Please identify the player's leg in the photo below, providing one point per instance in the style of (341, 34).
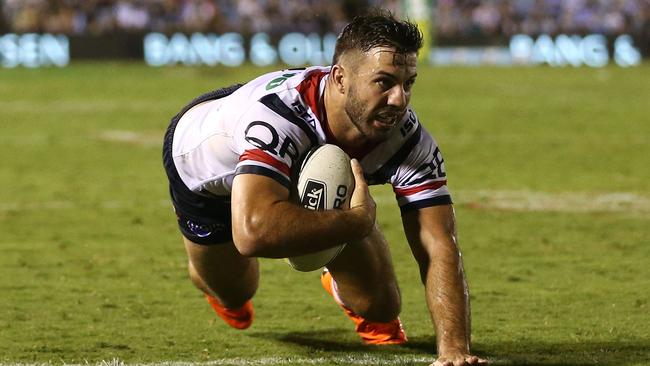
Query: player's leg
(220, 271)
(365, 278)
(228, 279)
(362, 281)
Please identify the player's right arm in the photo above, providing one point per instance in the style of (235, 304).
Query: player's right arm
(265, 223)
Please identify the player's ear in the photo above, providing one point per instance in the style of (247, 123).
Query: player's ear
(338, 76)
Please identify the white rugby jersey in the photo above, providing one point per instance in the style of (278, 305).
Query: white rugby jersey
(270, 123)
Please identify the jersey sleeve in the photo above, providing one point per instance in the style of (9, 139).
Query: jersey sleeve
(420, 180)
(268, 144)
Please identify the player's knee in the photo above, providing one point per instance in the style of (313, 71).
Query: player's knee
(232, 293)
(235, 298)
(383, 307)
(194, 275)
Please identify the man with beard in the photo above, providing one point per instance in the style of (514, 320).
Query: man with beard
(230, 154)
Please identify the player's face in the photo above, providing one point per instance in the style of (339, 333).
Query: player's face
(379, 91)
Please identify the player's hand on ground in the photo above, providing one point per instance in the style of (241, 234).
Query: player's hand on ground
(361, 200)
(460, 360)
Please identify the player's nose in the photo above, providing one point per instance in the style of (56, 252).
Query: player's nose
(397, 97)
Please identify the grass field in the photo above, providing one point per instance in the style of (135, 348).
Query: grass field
(549, 169)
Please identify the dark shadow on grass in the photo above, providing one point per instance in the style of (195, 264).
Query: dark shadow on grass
(515, 353)
(329, 340)
(572, 353)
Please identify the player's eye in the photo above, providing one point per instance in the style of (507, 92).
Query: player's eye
(384, 84)
(409, 84)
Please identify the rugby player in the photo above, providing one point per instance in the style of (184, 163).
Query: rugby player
(231, 157)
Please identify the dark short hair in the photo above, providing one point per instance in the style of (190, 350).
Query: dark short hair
(379, 28)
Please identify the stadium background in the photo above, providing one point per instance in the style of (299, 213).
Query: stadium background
(115, 28)
(548, 167)
(486, 19)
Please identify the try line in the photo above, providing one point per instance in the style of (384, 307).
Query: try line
(240, 361)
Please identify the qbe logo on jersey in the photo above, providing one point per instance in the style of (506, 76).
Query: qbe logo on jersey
(314, 194)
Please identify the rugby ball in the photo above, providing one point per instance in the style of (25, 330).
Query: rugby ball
(325, 182)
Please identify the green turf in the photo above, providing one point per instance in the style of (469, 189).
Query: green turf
(91, 267)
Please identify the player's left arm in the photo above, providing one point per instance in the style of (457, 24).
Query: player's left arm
(431, 233)
(420, 184)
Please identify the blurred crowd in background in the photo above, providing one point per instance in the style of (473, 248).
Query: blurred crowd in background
(488, 18)
(168, 16)
(450, 18)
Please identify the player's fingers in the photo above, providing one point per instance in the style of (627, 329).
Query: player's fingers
(357, 170)
(474, 360)
(360, 187)
(361, 195)
(442, 363)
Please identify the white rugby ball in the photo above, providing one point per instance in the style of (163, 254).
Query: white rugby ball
(325, 182)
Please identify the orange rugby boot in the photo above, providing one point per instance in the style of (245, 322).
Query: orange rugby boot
(241, 318)
(370, 332)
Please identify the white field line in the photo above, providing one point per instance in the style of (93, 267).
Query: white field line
(581, 202)
(79, 106)
(530, 201)
(132, 137)
(240, 361)
(67, 205)
(527, 201)
(31, 206)
(151, 138)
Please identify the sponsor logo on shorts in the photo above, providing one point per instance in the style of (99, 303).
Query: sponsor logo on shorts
(203, 230)
(313, 196)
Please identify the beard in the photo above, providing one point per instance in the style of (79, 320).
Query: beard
(363, 118)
